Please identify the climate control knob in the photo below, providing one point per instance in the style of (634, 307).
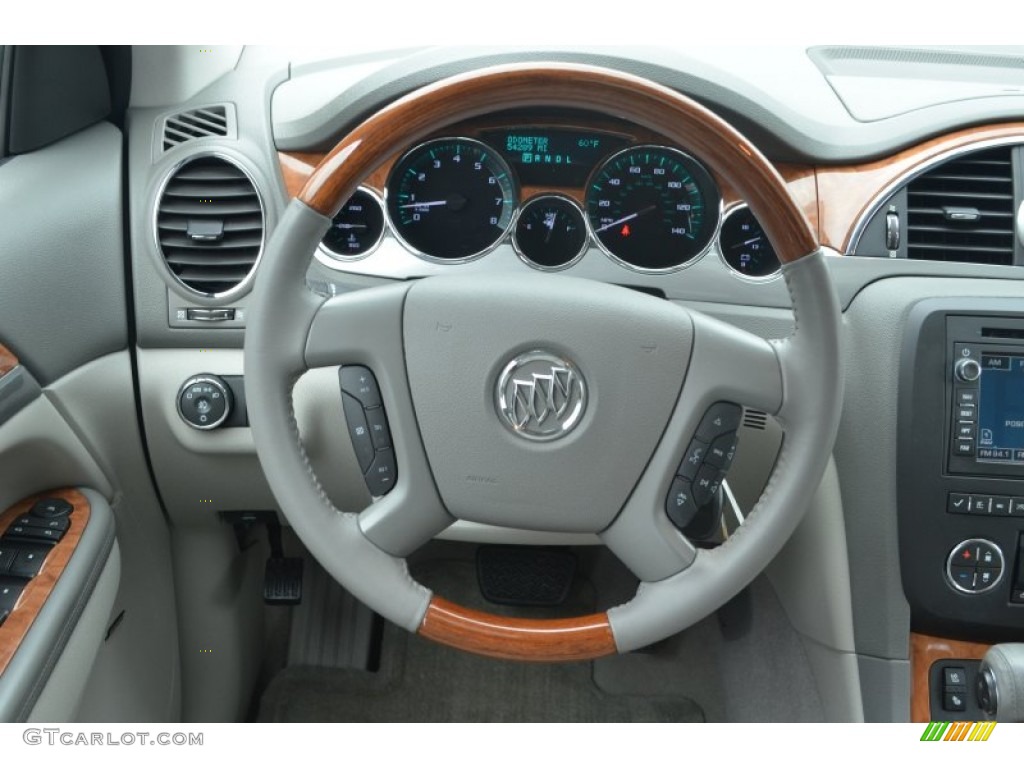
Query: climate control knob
(204, 401)
(967, 369)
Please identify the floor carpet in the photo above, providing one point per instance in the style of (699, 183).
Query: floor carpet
(420, 681)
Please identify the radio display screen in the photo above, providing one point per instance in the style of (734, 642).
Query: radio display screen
(1001, 408)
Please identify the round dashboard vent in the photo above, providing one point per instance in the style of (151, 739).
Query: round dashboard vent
(209, 224)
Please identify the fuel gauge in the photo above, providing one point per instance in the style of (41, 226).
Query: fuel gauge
(745, 247)
(551, 233)
(357, 228)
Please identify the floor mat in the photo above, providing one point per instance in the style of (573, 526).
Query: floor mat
(420, 681)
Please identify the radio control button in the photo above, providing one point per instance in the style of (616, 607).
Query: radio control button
(967, 396)
(968, 369)
(965, 413)
(1017, 507)
(965, 430)
(1000, 505)
(964, 447)
(958, 503)
(980, 505)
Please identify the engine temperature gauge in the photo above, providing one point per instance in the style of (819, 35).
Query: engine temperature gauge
(551, 233)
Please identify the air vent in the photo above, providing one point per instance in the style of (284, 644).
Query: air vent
(962, 210)
(195, 124)
(209, 224)
(754, 419)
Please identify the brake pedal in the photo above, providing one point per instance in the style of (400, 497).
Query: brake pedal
(282, 578)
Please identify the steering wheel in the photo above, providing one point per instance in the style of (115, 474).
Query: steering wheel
(648, 370)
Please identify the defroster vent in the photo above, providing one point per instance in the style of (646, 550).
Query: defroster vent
(962, 210)
(210, 224)
(195, 124)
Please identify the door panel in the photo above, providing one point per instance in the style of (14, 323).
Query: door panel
(103, 645)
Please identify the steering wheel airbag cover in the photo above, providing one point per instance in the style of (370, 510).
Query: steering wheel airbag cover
(632, 351)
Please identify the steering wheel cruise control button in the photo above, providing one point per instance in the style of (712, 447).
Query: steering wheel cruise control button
(679, 505)
(378, 424)
(720, 419)
(358, 431)
(359, 382)
(381, 476)
(368, 428)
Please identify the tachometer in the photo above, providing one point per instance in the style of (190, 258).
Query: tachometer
(653, 208)
(451, 199)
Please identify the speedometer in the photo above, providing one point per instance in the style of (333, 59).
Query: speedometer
(653, 208)
(451, 199)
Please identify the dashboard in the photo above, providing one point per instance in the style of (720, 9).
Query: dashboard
(590, 195)
(554, 187)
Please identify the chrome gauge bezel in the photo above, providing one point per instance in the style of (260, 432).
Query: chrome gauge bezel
(396, 232)
(732, 209)
(329, 257)
(660, 270)
(584, 247)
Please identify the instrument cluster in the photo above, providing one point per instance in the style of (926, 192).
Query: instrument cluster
(552, 191)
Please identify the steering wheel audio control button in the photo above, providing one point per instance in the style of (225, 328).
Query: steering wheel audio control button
(720, 419)
(706, 484)
(381, 476)
(679, 505)
(358, 431)
(723, 451)
(692, 461)
(359, 382)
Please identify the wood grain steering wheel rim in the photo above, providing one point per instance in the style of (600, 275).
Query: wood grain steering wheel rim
(680, 119)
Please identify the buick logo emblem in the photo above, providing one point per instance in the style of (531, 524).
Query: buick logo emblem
(540, 396)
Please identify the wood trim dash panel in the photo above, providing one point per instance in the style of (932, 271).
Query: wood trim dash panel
(925, 650)
(645, 103)
(38, 590)
(501, 637)
(8, 361)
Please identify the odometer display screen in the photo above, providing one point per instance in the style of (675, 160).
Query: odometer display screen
(653, 208)
(553, 156)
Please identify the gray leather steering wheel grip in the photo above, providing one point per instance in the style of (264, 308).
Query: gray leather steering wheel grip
(680, 360)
